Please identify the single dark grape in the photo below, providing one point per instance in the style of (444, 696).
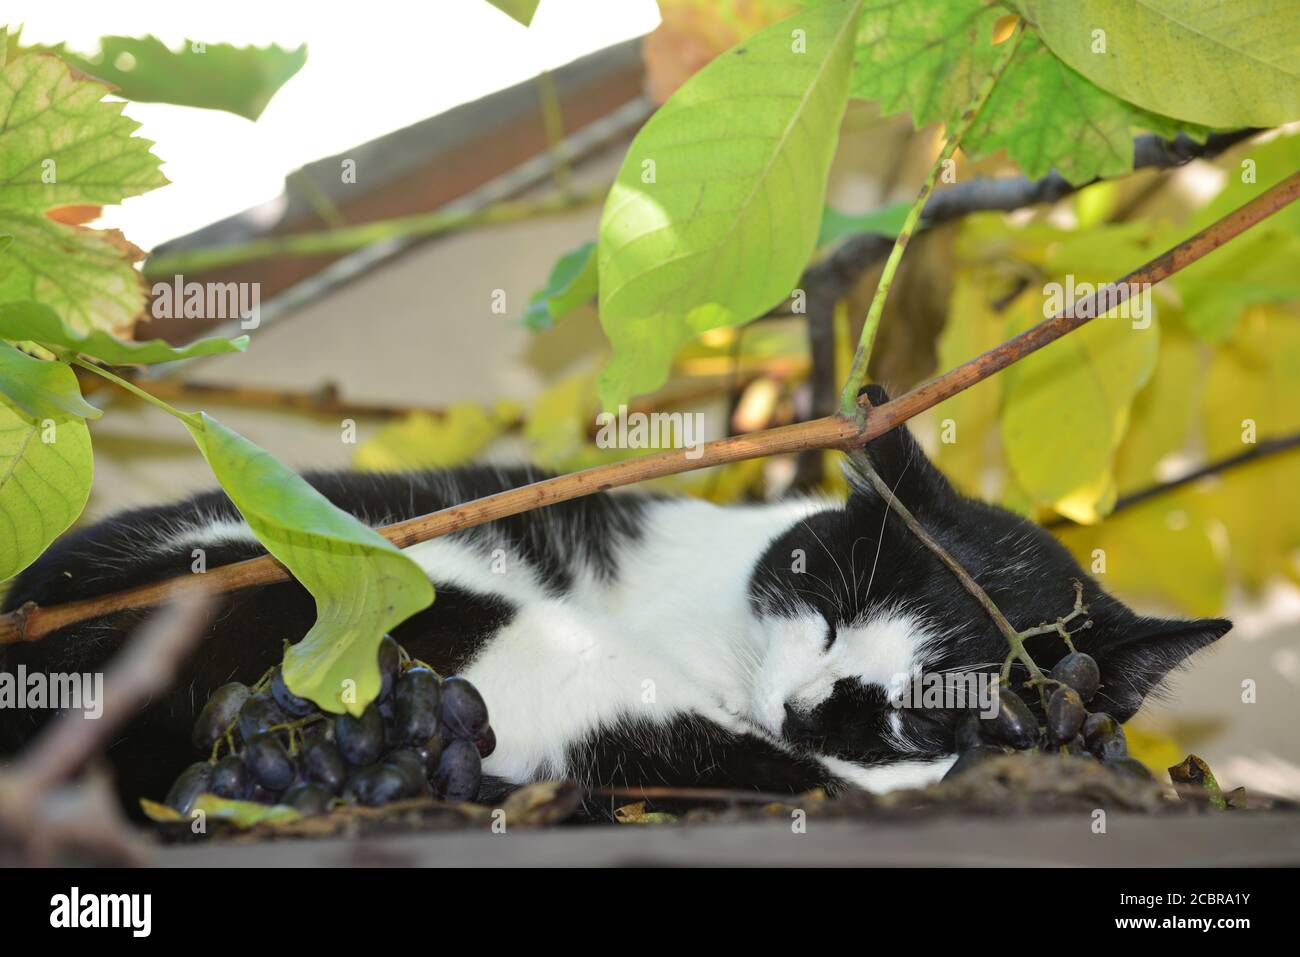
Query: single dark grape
(430, 752)
(324, 766)
(1104, 737)
(1014, 723)
(379, 784)
(464, 711)
(460, 770)
(360, 740)
(289, 702)
(192, 782)
(390, 665)
(1080, 672)
(969, 732)
(412, 766)
(487, 742)
(970, 758)
(307, 799)
(1065, 714)
(270, 763)
(416, 698)
(259, 714)
(264, 796)
(1131, 767)
(230, 778)
(218, 714)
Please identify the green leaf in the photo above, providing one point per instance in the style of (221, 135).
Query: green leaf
(717, 206)
(214, 76)
(32, 321)
(520, 10)
(573, 283)
(41, 389)
(243, 814)
(45, 472)
(1066, 407)
(61, 143)
(1205, 61)
(930, 58)
(1047, 116)
(362, 583)
(887, 221)
(85, 275)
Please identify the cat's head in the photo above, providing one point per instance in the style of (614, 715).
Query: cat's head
(853, 609)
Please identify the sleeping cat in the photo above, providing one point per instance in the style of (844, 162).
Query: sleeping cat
(629, 639)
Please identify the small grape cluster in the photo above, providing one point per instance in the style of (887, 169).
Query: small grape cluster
(1069, 729)
(422, 736)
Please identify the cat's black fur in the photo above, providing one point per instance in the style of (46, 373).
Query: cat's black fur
(1026, 572)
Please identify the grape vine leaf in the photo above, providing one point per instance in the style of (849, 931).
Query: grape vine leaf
(521, 11)
(362, 583)
(42, 389)
(213, 76)
(86, 275)
(46, 468)
(36, 322)
(931, 58)
(1204, 61)
(717, 206)
(62, 144)
(573, 283)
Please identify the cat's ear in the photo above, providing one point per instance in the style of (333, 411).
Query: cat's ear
(899, 460)
(1135, 665)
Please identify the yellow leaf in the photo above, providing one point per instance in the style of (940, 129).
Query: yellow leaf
(1153, 748)
(1162, 414)
(1250, 396)
(1066, 407)
(1161, 549)
(968, 451)
(422, 440)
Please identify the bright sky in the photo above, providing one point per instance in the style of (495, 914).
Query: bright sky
(371, 68)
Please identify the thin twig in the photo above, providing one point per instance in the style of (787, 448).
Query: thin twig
(832, 432)
(348, 238)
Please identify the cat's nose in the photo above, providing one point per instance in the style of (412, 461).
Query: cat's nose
(797, 727)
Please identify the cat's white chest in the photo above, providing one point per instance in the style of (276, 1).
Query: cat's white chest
(667, 636)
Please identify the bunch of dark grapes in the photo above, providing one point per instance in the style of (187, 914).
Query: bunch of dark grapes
(1069, 728)
(422, 736)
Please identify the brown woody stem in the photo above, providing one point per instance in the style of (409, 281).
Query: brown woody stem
(832, 432)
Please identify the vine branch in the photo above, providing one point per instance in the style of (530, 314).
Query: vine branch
(830, 432)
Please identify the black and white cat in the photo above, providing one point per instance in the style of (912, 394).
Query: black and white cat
(629, 639)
